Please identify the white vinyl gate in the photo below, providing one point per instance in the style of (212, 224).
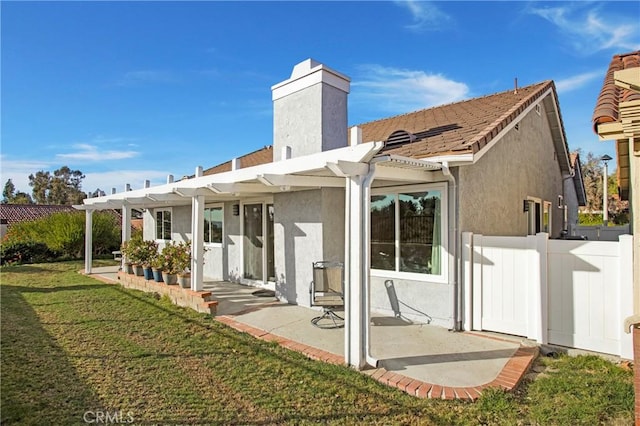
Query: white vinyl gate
(565, 292)
(584, 295)
(500, 265)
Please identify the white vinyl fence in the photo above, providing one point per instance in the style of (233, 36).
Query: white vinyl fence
(567, 292)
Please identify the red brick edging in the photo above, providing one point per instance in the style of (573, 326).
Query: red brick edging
(510, 376)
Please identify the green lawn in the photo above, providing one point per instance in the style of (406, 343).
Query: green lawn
(74, 348)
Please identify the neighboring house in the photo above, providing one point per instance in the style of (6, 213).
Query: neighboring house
(617, 117)
(574, 193)
(389, 198)
(15, 213)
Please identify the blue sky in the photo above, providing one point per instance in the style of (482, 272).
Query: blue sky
(128, 91)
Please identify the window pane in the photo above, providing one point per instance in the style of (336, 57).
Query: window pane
(159, 225)
(207, 225)
(419, 217)
(253, 243)
(166, 225)
(383, 244)
(216, 225)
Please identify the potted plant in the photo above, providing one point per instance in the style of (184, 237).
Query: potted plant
(148, 253)
(166, 263)
(156, 267)
(182, 260)
(133, 250)
(125, 248)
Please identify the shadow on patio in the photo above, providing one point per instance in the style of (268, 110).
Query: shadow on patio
(418, 353)
(420, 359)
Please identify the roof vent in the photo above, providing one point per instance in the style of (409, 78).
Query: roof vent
(400, 137)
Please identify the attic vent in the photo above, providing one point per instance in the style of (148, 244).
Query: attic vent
(538, 109)
(400, 137)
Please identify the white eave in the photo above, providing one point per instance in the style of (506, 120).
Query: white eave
(324, 169)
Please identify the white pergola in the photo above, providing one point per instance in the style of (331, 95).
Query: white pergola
(353, 168)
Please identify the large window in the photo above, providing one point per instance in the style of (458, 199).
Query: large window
(213, 224)
(406, 231)
(163, 224)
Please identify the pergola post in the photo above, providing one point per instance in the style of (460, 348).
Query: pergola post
(357, 265)
(88, 241)
(126, 226)
(197, 242)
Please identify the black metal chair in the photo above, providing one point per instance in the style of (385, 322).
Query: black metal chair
(327, 291)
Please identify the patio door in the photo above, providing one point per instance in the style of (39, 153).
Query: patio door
(258, 242)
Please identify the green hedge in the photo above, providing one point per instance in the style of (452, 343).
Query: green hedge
(63, 236)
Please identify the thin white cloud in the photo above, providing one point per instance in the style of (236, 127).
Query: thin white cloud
(590, 28)
(395, 90)
(19, 170)
(578, 81)
(143, 77)
(87, 152)
(425, 15)
(119, 178)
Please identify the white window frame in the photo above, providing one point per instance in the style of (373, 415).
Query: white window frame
(444, 233)
(212, 206)
(531, 224)
(155, 220)
(547, 207)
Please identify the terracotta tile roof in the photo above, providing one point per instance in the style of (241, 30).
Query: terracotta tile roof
(578, 181)
(462, 127)
(255, 158)
(14, 213)
(606, 109)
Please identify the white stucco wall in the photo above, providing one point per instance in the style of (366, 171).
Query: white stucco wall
(309, 227)
(522, 164)
(310, 121)
(571, 200)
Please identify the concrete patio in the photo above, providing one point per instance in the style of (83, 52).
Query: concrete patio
(420, 359)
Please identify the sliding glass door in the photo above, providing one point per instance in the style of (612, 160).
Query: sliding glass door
(258, 242)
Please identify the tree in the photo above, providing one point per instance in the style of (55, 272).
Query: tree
(40, 184)
(10, 196)
(592, 170)
(592, 177)
(64, 186)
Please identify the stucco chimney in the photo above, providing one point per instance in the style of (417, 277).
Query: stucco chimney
(310, 110)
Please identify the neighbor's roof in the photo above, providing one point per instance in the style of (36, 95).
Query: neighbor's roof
(458, 128)
(606, 109)
(578, 181)
(14, 213)
(255, 158)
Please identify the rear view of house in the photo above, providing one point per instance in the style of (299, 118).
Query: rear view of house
(389, 199)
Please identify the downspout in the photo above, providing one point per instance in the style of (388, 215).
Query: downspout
(565, 225)
(453, 243)
(367, 181)
(357, 266)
